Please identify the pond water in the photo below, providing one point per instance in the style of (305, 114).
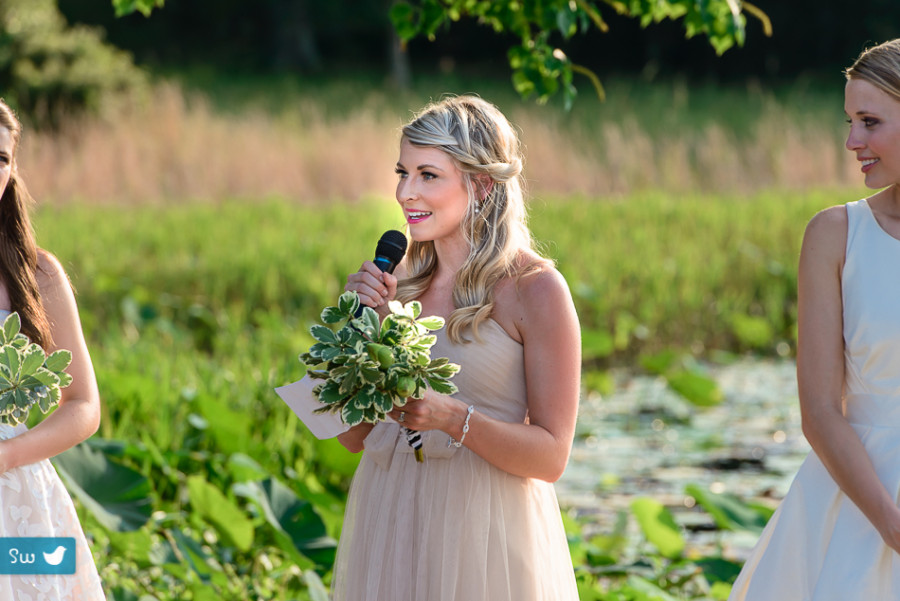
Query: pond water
(645, 440)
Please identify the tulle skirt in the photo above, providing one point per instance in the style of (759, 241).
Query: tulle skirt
(452, 529)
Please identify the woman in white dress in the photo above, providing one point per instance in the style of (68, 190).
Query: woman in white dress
(33, 500)
(836, 534)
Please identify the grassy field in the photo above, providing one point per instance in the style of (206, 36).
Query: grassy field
(195, 312)
(337, 140)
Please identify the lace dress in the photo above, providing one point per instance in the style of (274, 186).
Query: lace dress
(34, 503)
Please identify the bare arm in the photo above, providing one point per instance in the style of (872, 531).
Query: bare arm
(539, 449)
(820, 374)
(78, 414)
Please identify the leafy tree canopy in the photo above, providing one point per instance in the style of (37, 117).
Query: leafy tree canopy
(540, 67)
(145, 7)
(48, 68)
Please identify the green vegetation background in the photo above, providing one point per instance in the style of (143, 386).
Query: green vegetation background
(194, 313)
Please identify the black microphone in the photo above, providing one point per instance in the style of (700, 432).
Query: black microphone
(388, 253)
(390, 250)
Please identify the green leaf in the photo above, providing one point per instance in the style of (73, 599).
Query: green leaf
(372, 374)
(648, 591)
(58, 360)
(243, 468)
(117, 496)
(432, 323)
(698, 389)
(10, 355)
(425, 342)
(442, 386)
(718, 570)
(42, 378)
(403, 18)
(317, 591)
(21, 398)
(193, 552)
(136, 546)
(351, 415)
(659, 363)
(332, 315)
(214, 507)
(330, 393)
(294, 520)
(348, 303)
(565, 22)
(55, 395)
(753, 332)
(323, 334)
(444, 371)
(729, 512)
(11, 327)
(370, 322)
(383, 402)
(658, 526)
(396, 308)
(33, 359)
(125, 7)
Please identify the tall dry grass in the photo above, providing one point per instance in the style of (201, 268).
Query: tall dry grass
(175, 147)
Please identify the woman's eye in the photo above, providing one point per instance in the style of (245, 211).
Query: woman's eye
(869, 122)
(401, 173)
(427, 176)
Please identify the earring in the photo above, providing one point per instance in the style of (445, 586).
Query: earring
(477, 207)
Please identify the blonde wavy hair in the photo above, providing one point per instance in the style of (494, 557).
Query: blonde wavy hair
(482, 143)
(880, 66)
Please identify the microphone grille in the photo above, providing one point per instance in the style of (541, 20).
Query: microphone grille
(392, 245)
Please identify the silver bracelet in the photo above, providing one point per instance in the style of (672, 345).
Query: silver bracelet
(457, 444)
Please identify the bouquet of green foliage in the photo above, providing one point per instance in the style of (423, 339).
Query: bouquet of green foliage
(369, 365)
(28, 376)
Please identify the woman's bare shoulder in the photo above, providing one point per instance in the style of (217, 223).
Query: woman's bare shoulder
(826, 233)
(830, 219)
(51, 277)
(537, 289)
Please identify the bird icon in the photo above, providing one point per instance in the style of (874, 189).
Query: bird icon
(55, 558)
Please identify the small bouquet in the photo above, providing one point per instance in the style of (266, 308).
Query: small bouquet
(28, 376)
(369, 366)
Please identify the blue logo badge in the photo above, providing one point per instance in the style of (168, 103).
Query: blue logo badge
(37, 555)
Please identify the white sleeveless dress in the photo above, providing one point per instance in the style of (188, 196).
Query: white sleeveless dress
(819, 546)
(454, 528)
(34, 503)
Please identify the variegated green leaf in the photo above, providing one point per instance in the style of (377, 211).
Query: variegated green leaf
(32, 361)
(323, 334)
(11, 326)
(10, 356)
(58, 360)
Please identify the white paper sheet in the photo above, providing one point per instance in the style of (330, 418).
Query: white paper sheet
(300, 398)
